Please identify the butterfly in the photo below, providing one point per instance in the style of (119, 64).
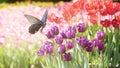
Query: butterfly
(36, 23)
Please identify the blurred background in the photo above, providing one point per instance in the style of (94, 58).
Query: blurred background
(18, 48)
(13, 1)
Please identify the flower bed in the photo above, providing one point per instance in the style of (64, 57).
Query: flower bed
(81, 34)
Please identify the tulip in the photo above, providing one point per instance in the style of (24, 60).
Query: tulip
(81, 27)
(67, 57)
(61, 49)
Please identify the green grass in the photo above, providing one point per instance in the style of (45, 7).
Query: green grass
(21, 56)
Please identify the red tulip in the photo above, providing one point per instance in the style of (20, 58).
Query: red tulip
(112, 9)
(116, 23)
(105, 23)
(70, 11)
(88, 6)
(53, 18)
(73, 11)
(109, 8)
(116, 7)
(66, 13)
(103, 11)
(94, 5)
(117, 17)
(91, 12)
(100, 4)
(93, 19)
(108, 2)
(77, 6)
(58, 20)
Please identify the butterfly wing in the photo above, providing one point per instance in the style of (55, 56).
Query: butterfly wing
(42, 27)
(44, 17)
(34, 28)
(32, 19)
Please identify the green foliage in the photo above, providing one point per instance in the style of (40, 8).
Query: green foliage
(24, 56)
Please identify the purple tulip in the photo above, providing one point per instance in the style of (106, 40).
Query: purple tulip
(41, 51)
(67, 57)
(61, 49)
(47, 48)
(100, 45)
(90, 46)
(70, 32)
(72, 28)
(59, 39)
(49, 35)
(54, 30)
(82, 41)
(81, 27)
(100, 35)
(69, 45)
(63, 34)
(95, 41)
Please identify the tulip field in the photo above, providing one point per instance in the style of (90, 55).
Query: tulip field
(75, 34)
